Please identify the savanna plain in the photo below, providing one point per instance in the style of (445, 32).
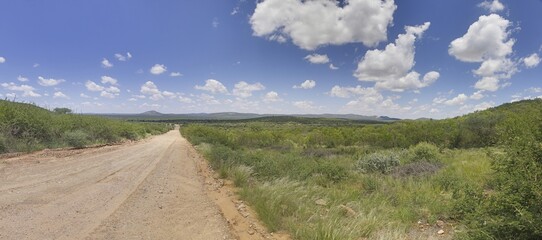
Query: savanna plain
(476, 176)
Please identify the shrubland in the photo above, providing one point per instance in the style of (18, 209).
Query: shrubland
(476, 176)
(26, 127)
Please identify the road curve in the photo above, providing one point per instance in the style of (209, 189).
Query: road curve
(144, 190)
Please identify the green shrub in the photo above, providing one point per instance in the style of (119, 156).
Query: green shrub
(423, 152)
(332, 171)
(512, 209)
(3, 147)
(76, 139)
(382, 162)
(241, 175)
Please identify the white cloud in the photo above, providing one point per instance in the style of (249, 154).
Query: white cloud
(487, 38)
(488, 84)
(488, 42)
(534, 90)
(213, 86)
(307, 84)
(28, 91)
(305, 105)
(106, 63)
(394, 62)
(234, 11)
(410, 81)
(493, 6)
(477, 95)
(158, 69)
(22, 79)
(169, 94)
(367, 100)
(109, 80)
(372, 102)
(439, 100)
(60, 95)
(49, 82)
(107, 92)
(215, 23)
(348, 92)
(271, 96)
(175, 74)
(391, 68)
(317, 59)
(311, 24)
(150, 89)
(154, 105)
(84, 95)
(36, 65)
(93, 87)
(499, 68)
(123, 58)
(531, 61)
(185, 99)
(332, 67)
(132, 100)
(112, 89)
(459, 100)
(208, 99)
(2, 60)
(243, 89)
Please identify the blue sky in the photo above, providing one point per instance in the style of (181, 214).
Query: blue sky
(408, 59)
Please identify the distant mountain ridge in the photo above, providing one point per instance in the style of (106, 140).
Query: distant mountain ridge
(151, 113)
(243, 116)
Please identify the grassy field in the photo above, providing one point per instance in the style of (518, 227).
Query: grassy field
(377, 182)
(25, 127)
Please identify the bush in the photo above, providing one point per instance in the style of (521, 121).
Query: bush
(382, 162)
(512, 209)
(416, 169)
(423, 152)
(76, 139)
(241, 175)
(332, 171)
(3, 147)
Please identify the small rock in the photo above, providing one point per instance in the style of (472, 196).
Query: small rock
(440, 232)
(251, 232)
(440, 223)
(321, 202)
(348, 211)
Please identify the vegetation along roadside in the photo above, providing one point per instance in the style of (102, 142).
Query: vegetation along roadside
(471, 177)
(26, 127)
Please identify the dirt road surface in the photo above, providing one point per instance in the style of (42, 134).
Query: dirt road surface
(144, 190)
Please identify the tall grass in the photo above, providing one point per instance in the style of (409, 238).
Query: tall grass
(317, 191)
(25, 127)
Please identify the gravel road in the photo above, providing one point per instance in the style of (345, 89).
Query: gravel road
(144, 190)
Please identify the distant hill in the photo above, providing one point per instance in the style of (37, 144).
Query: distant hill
(151, 113)
(154, 115)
